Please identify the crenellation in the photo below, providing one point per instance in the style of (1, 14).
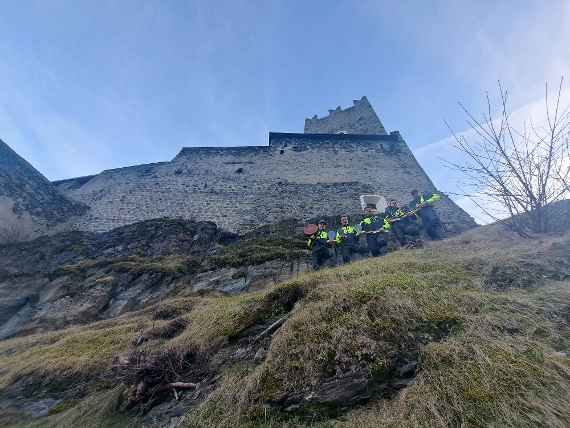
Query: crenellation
(358, 119)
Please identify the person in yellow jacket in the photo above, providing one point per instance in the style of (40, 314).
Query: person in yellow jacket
(374, 226)
(347, 239)
(404, 224)
(318, 243)
(422, 204)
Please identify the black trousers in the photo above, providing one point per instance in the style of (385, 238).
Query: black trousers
(399, 232)
(376, 244)
(406, 230)
(347, 251)
(319, 257)
(432, 225)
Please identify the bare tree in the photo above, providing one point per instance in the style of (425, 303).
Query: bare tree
(517, 171)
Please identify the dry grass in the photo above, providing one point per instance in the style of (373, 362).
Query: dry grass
(100, 410)
(485, 358)
(88, 352)
(58, 359)
(501, 370)
(497, 364)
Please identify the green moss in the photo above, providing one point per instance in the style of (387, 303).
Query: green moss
(62, 407)
(173, 265)
(380, 369)
(258, 251)
(80, 268)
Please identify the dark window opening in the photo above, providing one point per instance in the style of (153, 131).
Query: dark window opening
(239, 171)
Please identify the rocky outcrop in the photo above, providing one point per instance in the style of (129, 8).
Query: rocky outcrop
(29, 203)
(78, 277)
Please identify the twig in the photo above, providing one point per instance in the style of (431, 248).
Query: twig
(271, 328)
(182, 385)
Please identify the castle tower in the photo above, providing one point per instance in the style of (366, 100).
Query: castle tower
(358, 119)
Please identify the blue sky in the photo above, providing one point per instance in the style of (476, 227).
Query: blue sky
(93, 85)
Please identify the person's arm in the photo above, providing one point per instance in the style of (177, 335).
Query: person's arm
(434, 198)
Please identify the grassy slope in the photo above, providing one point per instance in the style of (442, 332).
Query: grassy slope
(485, 357)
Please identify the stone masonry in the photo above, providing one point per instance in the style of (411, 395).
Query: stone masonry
(358, 119)
(296, 176)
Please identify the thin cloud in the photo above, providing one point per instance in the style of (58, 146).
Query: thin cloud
(433, 156)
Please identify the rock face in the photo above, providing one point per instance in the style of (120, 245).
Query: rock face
(298, 176)
(28, 201)
(78, 277)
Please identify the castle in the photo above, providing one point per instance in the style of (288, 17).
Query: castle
(297, 175)
(324, 170)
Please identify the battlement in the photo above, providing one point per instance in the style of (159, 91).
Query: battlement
(281, 140)
(278, 137)
(358, 119)
(186, 152)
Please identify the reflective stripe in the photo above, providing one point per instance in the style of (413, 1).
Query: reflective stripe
(344, 231)
(369, 220)
(434, 198)
(323, 234)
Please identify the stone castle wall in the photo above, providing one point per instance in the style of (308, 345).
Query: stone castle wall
(296, 176)
(358, 119)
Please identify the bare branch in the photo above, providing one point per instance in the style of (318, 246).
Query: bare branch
(520, 170)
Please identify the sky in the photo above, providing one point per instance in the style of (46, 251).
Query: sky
(92, 85)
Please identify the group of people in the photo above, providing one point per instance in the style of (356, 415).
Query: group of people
(403, 222)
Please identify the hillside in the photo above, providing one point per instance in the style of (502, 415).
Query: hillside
(29, 203)
(79, 277)
(471, 331)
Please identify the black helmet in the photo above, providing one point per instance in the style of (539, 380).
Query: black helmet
(322, 221)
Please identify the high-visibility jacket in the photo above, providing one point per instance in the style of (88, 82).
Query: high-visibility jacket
(395, 212)
(375, 223)
(425, 199)
(346, 235)
(318, 240)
